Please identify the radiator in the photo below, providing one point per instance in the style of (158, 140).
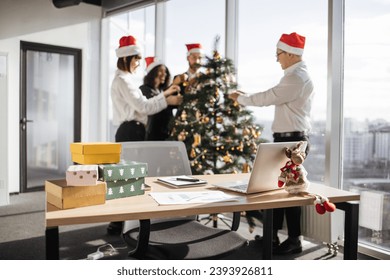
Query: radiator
(327, 228)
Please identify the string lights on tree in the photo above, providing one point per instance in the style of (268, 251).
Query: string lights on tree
(219, 134)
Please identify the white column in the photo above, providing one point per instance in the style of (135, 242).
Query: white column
(231, 30)
(334, 119)
(160, 30)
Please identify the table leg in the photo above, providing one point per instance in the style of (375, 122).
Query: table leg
(52, 243)
(351, 229)
(143, 239)
(267, 233)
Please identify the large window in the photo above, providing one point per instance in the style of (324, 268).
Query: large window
(189, 21)
(261, 24)
(366, 165)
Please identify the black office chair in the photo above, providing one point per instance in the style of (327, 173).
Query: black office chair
(179, 237)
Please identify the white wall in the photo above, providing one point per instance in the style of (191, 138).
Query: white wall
(40, 22)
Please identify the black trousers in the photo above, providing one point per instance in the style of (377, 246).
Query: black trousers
(130, 131)
(293, 214)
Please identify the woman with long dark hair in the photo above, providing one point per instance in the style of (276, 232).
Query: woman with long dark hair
(156, 82)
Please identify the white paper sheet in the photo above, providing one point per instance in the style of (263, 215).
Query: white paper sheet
(169, 198)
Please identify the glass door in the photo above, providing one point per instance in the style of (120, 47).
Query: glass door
(50, 112)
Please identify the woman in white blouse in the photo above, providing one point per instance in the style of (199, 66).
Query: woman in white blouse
(130, 107)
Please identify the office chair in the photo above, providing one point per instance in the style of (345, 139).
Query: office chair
(178, 237)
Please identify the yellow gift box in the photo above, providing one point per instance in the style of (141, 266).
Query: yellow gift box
(95, 152)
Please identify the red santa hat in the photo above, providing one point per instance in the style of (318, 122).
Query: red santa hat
(292, 43)
(128, 47)
(194, 48)
(152, 62)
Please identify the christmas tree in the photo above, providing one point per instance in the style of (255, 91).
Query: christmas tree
(219, 134)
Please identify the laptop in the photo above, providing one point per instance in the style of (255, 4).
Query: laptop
(270, 157)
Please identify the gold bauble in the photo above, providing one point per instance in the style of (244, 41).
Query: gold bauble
(183, 116)
(227, 158)
(192, 153)
(182, 136)
(205, 119)
(246, 131)
(198, 114)
(197, 140)
(245, 168)
(219, 119)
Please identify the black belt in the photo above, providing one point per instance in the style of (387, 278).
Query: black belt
(289, 134)
(134, 122)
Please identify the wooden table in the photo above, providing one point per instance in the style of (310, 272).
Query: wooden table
(143, 207)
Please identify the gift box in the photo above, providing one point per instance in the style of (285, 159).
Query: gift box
(95, 153)
(123, 179)
(125, 188)
(123, 170)
(82, 175)
(59, 194)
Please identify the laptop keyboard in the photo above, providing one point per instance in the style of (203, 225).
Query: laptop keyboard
(242, 187)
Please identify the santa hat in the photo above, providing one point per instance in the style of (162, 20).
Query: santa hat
(152, 62)
(292, 43)
(127, 47)
(194, 48)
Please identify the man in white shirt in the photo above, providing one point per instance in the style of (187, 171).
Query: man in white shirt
(292, 98)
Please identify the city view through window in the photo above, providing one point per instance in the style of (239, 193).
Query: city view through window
(366, 157)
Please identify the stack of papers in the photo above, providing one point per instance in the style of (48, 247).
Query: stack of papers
(169, 198)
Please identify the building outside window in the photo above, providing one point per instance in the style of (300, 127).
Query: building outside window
(366, 164)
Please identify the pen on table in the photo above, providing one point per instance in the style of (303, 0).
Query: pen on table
(187, 179)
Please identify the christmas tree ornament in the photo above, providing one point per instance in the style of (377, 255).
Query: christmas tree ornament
(206, 120)
(219, 119)
(183, 116)
(198, 115)
(227, 158)
(193, 153)
(246, 131)
(197, 140)
(245, 168)
(182, 136)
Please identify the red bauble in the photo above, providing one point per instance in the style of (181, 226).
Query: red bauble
(320, 209)
(329, 206)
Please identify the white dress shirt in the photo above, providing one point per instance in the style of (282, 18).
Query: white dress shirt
(129, 104)
(292, 98)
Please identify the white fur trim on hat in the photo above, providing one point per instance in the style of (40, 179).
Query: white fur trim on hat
(289, 49)
(195, 50)
(152, 65)
(128, 51)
